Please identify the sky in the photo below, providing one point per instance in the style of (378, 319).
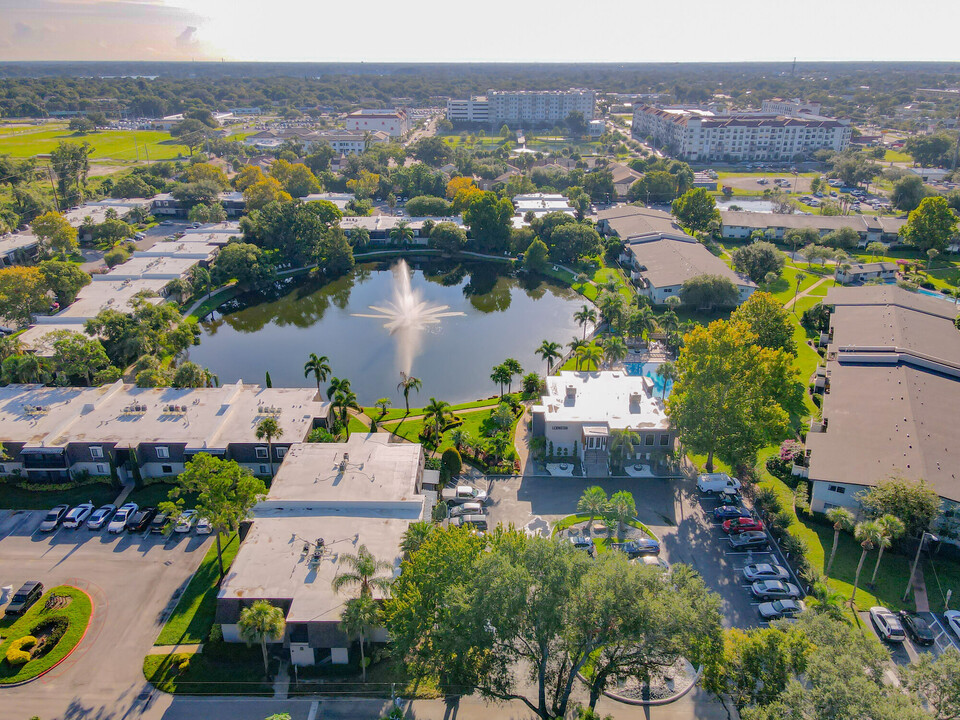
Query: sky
(494, 30)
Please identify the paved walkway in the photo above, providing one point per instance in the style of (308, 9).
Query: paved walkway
(920, 591)
(789, 304)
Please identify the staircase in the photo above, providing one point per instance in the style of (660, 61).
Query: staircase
(596, 463)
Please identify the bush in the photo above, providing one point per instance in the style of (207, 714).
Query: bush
(216, 633)
(17, 654)
(451, 461)
(183, 666)
(54, 629)
(767, 501)
(440, 511)
(115, 257)
(802, 496)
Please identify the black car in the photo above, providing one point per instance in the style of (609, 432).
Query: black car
(636, 548)
(140, 520)
(26, 596)
(159, 522)
(917, 628)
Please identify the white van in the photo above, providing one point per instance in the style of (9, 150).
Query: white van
(717, 482)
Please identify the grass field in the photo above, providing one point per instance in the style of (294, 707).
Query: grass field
(396, 413)
(897, 156)
(14, 498)
(472, 425)
(221, 669)
(121, 145)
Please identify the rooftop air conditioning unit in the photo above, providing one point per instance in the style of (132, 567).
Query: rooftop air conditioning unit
(571, 392)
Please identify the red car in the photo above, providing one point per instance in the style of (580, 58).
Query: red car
(735, 526)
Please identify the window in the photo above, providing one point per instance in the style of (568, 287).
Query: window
(665, 439)
(101, 470)
(829, 506)
(263, 470)
(281, 451)
(648, 439)
(166, 469)
(163, 452)
(837, 489)
(261, 453)
(96, 452)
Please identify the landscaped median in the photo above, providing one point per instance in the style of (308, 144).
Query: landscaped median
(45, 635)
(600, 543)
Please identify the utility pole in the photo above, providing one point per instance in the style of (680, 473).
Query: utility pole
(56, 198)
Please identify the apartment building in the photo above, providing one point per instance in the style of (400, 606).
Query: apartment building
(701, 135)
(522, 107)
(343, 142)
(394, 123)
(792, 108)
(741, 224)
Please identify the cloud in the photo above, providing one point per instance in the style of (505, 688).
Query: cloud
(188, 38)
(22, 31)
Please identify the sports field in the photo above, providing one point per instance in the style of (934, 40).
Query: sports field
(120, 145)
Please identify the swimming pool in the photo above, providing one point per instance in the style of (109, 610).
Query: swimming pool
(934, 293)
(649, 369)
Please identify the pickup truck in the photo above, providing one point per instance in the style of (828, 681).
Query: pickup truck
(462, 494)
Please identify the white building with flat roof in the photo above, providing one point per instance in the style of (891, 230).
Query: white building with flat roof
(540, 204)
(393, 122)
(523, 107)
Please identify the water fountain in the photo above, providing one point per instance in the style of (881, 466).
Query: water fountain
(407, 315)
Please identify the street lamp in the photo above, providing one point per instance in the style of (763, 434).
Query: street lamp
(913, 569)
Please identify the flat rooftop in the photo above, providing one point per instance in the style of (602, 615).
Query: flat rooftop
(105, 294)
(97, 211)
(164, 268)
(621, 401)
(185, 247)
(17, 241)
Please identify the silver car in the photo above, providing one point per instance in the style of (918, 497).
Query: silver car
(76, 517)
(765, 571)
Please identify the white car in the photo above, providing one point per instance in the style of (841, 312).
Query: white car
(119, 521)
(764, 571)
(717, 482)
(99, 517)
(204, 527)
(76, 517)
(468, 508)
(185, 521)
(887, 624)
(953, 620)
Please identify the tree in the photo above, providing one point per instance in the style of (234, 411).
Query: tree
(930, 150)
(696, 209)
(654, 187)
(549, 351)
(585, 316)
(345, 400)
(191, 375)
(362, 571)
(64, 279)
(428, 206)
(935, 679)
(246, 263)
(576, 123)
(53, 230)
(768, 321)
(264, 192)
(415, 536)
(449, 237)
(536, 256)
(800, 277)
(876, 249)
(757, 259)
(916, 504)
(490, 221)
(709, 291)
(868, 534)
(931, 225)
(408, 383)
(319, 367)
(225, 493)
(589, 356)
(501, 376)
(622, 444)
(259, 623)
(269, 429)
(77, 357)
(891, 528)
(149, 329)
(451, 461)
(432, 150)
(614, 351)
(813, 253)
(726, 399)
(436, 415)
(798, 237)
(667, 372)
(621, 506)
(383, 403)
(594, 503)
(572, 241)
(842, 519)
(71, 163)
(358, 616)
(213, 213)
(845, 238)
(401, 233)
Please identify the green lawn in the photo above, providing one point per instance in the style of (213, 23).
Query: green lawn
(784, 288)
(410, 429)
(221, 669)
(121, 145)
(77, 614)
(14, 498)
(193, 617)
(897, 156)
(356, 425)
(396, 413)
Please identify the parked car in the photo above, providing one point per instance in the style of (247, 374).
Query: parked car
(203, 526)
(119, 521)
(185, 521)
(101, 516)
(774, 590)
(751, 540)
(78, 516)
(638, 547)
(477, 522)
(582, 542)
(736, 526)
(728, 512)
(166, 222)
(159, 522)
(462, 494)
(653, 561)
(141, 519)
(765, 571)
(953, 620)
(468, 508)
(23, 598)
(53, 518)
(780, 608)
(887, 624)
(717, 482)
(917, 628)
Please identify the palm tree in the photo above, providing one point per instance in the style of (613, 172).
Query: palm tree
(614, 351)
(622, 508)
(891, 527)
(824, 600)
(593, 501)
(337, 385)
(363, 569)
(622, 445)
(842, 519)
(360, 614)
(549, 351)
(514, 368)
(414, 536)
(584, 316)
(800, 278)
(500, 375)
(402, 233)
(269, 428)
(641, 322)
(344, 402)
(408, 383)
(589, 354)
(611, 308)
(575, 345)
(667, 372)
(436, 415)
(498, 445)
(668, 322)
(384, 404)
(260, 622)
(869, 534)
(319, 366)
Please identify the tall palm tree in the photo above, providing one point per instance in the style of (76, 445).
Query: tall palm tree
(319, 367)
(868, 533)
(589, 356)
(408, 383)
(593, 501)
(667, 372)
(549, 351)
(362, 573)
(891, 527)
(641, 321)
(514, 368)
(402, 233)
(622, 444)
(269, 428)
(622, 508)
(584, 316)
(343, 403)
(824, 600)
(669, 321)
(800, 278)
(415, 536)
(611, 308)
(501, 376)
(575, 345)
(436, 415)
(337, 385)
(842, 519)
(614, 351)
(358, 616)
(261, 622)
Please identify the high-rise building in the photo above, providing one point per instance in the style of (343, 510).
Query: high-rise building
(522, 107)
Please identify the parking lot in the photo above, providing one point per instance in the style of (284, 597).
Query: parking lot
(132, 579)
(908, 651)
(672, 508)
